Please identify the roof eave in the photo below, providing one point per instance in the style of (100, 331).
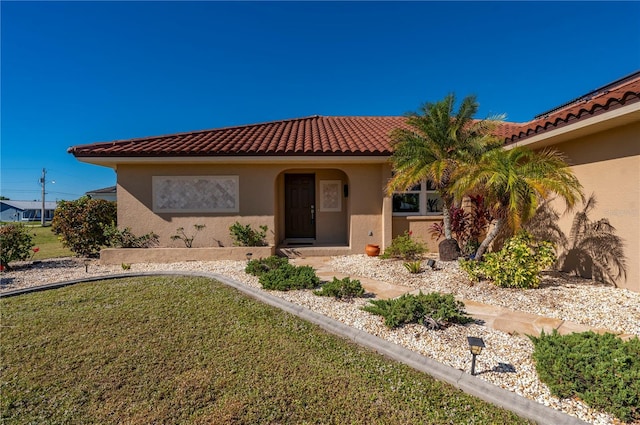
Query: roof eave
(114, 161)
(614, 118)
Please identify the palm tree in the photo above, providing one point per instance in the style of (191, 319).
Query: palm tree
(514, 182)
(437, 142)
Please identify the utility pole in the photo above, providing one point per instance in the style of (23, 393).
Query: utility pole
(42, 181)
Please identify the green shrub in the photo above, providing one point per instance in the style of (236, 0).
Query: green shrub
(182, 236)
(80, 224)
(433, 310)
(261, 266)
(413, 266)
(126, 239)
(287, 277)
(247, 236)
(341, 289)
(473, 269)
(15, 244)
(405, 248)
(517, 265)
(602, 370)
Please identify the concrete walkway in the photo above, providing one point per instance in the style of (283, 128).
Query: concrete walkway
(499, 318)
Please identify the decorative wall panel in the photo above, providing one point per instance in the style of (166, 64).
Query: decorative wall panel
(189, 194)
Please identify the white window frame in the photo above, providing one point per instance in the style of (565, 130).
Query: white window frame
(423, 194)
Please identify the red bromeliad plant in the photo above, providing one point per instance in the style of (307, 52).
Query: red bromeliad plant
(467, 225)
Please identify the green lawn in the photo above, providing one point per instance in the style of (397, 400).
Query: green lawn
(50, 246)
(47, 243)
(191, 350)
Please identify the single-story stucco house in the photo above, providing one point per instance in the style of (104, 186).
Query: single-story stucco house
(318, 182)
(25, 210)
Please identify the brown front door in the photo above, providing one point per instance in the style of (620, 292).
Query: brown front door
(299, 206)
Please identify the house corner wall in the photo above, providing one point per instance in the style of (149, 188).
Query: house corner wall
(607, 164)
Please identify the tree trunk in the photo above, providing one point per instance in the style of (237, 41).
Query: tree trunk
(497, 225)
(446, 218)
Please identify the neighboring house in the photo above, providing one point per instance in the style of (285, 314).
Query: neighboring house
(107, 193)
(318, 182)
(25, 210)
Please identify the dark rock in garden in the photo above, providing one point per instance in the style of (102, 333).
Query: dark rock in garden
(448, 250)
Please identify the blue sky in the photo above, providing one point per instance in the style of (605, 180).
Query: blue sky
(82, 72)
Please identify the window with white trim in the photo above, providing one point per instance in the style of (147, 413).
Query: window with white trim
(421, 199)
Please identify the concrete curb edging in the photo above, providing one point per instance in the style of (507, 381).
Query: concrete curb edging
(511, 401)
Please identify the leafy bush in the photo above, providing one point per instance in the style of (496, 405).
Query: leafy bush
(341, 289)
(473, 269)
(517, 265)
(80, 224)
(433, 310)
(260, 266)
(15, 243)
(247, 236)
(413, 266)
(288, 277)
(126, 239)
(182, 236)
(405, 248)
(602, 370)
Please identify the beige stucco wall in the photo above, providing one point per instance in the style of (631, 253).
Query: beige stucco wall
(608, 166)
(419, 228)
(135, 207)
(170, 255)
(261, 202)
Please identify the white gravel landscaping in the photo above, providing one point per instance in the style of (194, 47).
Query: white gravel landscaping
(505, 362)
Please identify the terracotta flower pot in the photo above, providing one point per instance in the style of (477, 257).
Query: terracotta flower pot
(372, 250)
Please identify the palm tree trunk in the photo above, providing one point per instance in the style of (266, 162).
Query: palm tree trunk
(446, 219)
(497, 225)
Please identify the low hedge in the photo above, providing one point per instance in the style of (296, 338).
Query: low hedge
(343, 289)
(601, 370)
(287, 277)
(260, 266)
(434, 310)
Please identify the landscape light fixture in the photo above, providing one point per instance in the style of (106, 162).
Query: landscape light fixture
(431, 263)
(475, 345)
(86, 265)
(249, 255)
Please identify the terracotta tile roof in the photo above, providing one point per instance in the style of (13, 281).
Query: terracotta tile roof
(315, 135)
(617, 94)
(323, 136)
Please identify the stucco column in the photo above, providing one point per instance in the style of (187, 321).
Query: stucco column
(387, 211)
